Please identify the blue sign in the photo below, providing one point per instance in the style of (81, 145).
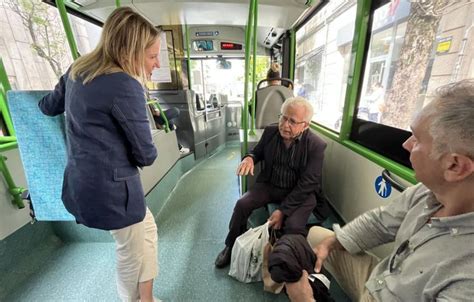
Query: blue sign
(382, 187)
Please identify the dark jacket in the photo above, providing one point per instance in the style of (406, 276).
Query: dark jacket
(309, 154)
(290, 256)
(108, 137)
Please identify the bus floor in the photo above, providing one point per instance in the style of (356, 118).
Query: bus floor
(192, 225)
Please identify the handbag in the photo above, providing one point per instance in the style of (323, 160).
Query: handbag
(247, 254)
(268, 284)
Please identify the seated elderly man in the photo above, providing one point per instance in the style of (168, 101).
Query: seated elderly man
(291, 175)
(431, 224)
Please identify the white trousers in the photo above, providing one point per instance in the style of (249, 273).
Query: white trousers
(137, 256)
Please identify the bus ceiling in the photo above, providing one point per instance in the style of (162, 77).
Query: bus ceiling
(274, 16)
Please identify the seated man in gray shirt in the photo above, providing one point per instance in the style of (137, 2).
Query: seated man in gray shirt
(431, 224)
(291, 175)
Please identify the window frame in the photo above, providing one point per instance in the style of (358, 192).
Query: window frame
(349, 136)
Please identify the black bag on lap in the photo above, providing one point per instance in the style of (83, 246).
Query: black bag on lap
(290, 256)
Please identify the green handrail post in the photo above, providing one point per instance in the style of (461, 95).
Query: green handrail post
(8, 142)
(4, 78)
(5, 86)
(355, 69)
(162, 114)
(248, 34)
(67, 28)
(117, 3)
(12, 188)
(188, 54)
(7, 139)
(8, 146)
(254, 66)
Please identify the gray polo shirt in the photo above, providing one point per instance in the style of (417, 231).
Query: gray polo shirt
(433, 260)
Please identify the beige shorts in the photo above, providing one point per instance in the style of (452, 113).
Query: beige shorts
(350, 271)
(137, 256)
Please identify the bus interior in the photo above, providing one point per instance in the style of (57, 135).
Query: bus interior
(341, 55)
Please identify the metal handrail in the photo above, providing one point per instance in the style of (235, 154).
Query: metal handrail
(8, 142)
(396, 184)
(254, 65)
(162, 113)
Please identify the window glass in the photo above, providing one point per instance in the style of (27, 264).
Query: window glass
(323, 52)
(210, 77)
(33, 45)
(415, 47)
(86, 34)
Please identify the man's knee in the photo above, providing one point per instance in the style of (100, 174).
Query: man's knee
(317, 234)
(242, 204)
(295, 227)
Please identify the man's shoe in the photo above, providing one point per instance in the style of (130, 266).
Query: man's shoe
(223, 259)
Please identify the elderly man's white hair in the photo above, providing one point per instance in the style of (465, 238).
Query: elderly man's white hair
(299, 101)
(452, 119)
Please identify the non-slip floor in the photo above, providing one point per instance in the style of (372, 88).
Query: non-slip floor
(192, 226)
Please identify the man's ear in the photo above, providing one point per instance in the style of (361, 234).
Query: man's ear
(457, 167)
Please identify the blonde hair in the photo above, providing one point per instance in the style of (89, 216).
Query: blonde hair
(125, 37)
(274, 71)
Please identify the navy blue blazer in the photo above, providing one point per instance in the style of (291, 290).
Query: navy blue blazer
(309, 155)
(108, 137)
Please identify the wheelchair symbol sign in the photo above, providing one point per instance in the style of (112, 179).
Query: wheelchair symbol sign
(382, 187)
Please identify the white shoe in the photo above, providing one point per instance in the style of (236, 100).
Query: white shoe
(184, 150)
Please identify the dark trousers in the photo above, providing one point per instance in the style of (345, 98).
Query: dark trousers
(260, 195)
(170, 114)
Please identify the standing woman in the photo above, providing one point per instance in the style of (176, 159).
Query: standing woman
(108, 139)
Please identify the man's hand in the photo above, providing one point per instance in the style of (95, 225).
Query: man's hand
(246, 166)
(300, 291)
(276, 220)
(323, 249)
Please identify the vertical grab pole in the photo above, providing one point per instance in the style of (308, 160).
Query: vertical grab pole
(67, 28)
(8, 142)
(248, 34)
(254, 66)
(361, 30)
(117, 3)
(188, 54)
(12, 188)
(292, 53)
(5, 86)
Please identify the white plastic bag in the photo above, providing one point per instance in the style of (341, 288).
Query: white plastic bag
(247, 254)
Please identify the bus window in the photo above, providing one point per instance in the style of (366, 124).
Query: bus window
(323, 51)
(414, 48)
(86, 34)
(208, 78)
(35, 50)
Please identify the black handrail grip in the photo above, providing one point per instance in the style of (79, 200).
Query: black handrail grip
(398, 186)
(290, 82)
